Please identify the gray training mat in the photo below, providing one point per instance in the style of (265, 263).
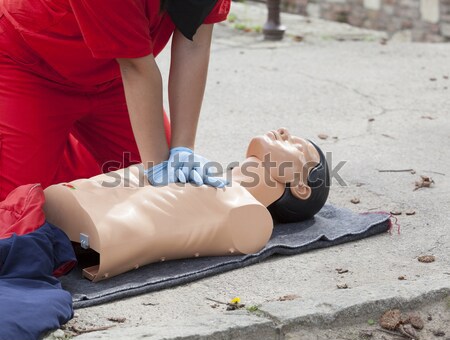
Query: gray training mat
(331, 226)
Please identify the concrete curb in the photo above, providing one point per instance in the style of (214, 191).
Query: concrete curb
(274, 319)
(233, 325)
(349, 305)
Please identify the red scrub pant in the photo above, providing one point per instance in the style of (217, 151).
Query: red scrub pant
(52, 131)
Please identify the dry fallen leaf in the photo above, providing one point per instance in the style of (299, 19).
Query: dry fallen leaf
(298, 38)
(289, 297)
(341, 271)
(342, 286)
(118, 320)
(408, 331)
(394, 320)
(355, 200)
(438, 333)
(401, 278)
(424, 182)
(404, 319)
(235, 306)
(391, 319)
(322, 136)
(410, 212)
(396, 212)
(416, 321)
(426, 258)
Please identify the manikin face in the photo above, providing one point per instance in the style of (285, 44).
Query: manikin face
(289, 159)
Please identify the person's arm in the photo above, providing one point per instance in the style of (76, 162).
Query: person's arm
(187, 80)
(143, 90)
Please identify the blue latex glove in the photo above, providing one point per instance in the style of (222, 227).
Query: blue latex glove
(193, 168)
(160, 175)
(184, 166)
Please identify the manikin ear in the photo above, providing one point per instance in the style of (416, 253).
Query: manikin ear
(301, 191)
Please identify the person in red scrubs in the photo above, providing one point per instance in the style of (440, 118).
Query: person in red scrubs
(81, 93)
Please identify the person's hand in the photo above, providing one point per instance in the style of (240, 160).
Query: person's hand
(193, 168)
(184, 166)
(159, 174)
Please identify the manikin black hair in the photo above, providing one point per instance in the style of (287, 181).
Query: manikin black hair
(288, 208)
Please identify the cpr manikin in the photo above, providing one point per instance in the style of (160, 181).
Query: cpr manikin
(130, 223)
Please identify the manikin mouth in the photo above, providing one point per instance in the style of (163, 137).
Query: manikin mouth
(275, 134)
(271, 135)
(281, 135)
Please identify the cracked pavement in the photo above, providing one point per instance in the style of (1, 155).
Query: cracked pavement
(384, 107)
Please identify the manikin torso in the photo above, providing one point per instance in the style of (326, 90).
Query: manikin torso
(134, 224)
(130, 223)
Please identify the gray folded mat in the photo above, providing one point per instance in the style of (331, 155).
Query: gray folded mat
(331, 226)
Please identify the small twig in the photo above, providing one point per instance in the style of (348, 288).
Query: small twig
(89, 330)
(230, 306)
(387, 136)
(222, 303)
(390, 332)
(394, 170)
(341, 271)
(435, 172)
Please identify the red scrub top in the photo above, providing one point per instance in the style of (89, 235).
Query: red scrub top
(80, 39)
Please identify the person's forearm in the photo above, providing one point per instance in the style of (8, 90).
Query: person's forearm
(187, 80)
(143, 90)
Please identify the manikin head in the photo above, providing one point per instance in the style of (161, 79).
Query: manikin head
(301, 166)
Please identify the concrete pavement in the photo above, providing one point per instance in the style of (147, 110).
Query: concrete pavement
(384, 107)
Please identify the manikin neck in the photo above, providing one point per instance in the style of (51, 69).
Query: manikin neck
(254, 177)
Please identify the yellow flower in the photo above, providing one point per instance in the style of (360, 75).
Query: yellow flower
(235, 301)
